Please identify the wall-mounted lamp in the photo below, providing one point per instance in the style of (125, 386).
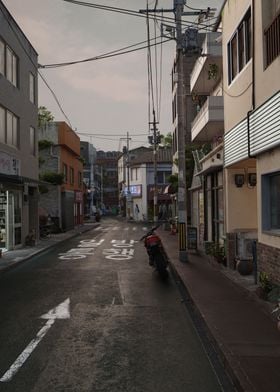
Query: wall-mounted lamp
(252, 179)
(239, 180)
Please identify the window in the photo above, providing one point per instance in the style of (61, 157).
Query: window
(270, 202)
(80, 179)
(239, 47)
(11, 66)
(65, 172)
(71, 175)
(32, 141)
(31, 87)
(2, 57)
(274, 186)
(9, 132)
(160, 177)
(272, 40)
(8, 63)
(2, 125)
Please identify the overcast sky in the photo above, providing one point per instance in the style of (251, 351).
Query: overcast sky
(106, 98)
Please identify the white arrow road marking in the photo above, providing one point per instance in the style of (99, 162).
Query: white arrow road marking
(60, 312)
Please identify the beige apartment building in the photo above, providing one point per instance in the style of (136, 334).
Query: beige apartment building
(251, 84)
(207, 129)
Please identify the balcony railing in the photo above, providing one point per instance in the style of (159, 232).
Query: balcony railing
(201, 83)
(209, 122)
(272, 40)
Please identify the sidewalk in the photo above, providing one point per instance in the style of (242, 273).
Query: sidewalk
(12, 258)
(244, 332)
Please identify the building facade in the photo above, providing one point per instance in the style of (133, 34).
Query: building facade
(107, 171)
(207, 128)
(18, 135)
(251, 66)
(88, 153)
(61, 164)
(141, 182)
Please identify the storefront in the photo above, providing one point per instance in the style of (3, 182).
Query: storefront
(10, 219)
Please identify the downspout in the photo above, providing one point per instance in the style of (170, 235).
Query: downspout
(253, 79)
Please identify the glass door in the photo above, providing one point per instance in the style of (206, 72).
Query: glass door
(3, 220)
(10, 221)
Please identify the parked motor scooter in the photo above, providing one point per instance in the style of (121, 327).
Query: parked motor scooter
(157, 256)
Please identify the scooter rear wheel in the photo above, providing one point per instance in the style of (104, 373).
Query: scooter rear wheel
(160, 265)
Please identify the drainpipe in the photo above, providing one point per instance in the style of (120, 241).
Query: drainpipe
(253, 79)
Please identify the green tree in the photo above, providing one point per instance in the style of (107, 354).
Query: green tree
(166, 140)
(44, 116)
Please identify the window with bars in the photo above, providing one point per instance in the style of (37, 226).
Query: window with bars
(272, 40)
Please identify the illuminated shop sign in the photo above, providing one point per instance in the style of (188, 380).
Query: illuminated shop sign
(135, 190)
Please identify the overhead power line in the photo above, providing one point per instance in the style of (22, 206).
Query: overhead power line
(130, 12)
(113, 53)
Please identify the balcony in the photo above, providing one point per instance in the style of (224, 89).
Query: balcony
(211, 54)
(209, 121)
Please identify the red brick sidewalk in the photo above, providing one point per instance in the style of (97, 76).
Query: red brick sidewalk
(246, 335)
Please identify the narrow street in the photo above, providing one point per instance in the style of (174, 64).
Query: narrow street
(91, 315)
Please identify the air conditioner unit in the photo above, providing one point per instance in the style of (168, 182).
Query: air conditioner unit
(244, 245)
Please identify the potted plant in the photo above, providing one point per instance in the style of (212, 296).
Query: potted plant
(265, 286)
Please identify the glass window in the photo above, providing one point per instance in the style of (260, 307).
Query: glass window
(80, 179)
(2, 57)
(2, 126)
(65, 172)
(14, 71)
(271, 202)
(31, 87)
(239, 47)
(9, 64)
(15, 131)
(160, 177)
(233, 57)
(32, 141)
(9, 128)
(71, 175)
(274, 185)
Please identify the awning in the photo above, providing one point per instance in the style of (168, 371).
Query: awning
(11, 179)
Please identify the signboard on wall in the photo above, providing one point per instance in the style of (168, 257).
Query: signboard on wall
(192, 237)
(9, 164)
(135, 190)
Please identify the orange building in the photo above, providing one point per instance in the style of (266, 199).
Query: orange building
(61, 155)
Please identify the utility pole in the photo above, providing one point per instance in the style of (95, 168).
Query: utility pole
(155, 140)
(127, 165)
(181, 48)
(181, 198)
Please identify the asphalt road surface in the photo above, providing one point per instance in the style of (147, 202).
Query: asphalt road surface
(91, 315)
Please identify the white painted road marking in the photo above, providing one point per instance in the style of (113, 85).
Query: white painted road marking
(60, 312)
